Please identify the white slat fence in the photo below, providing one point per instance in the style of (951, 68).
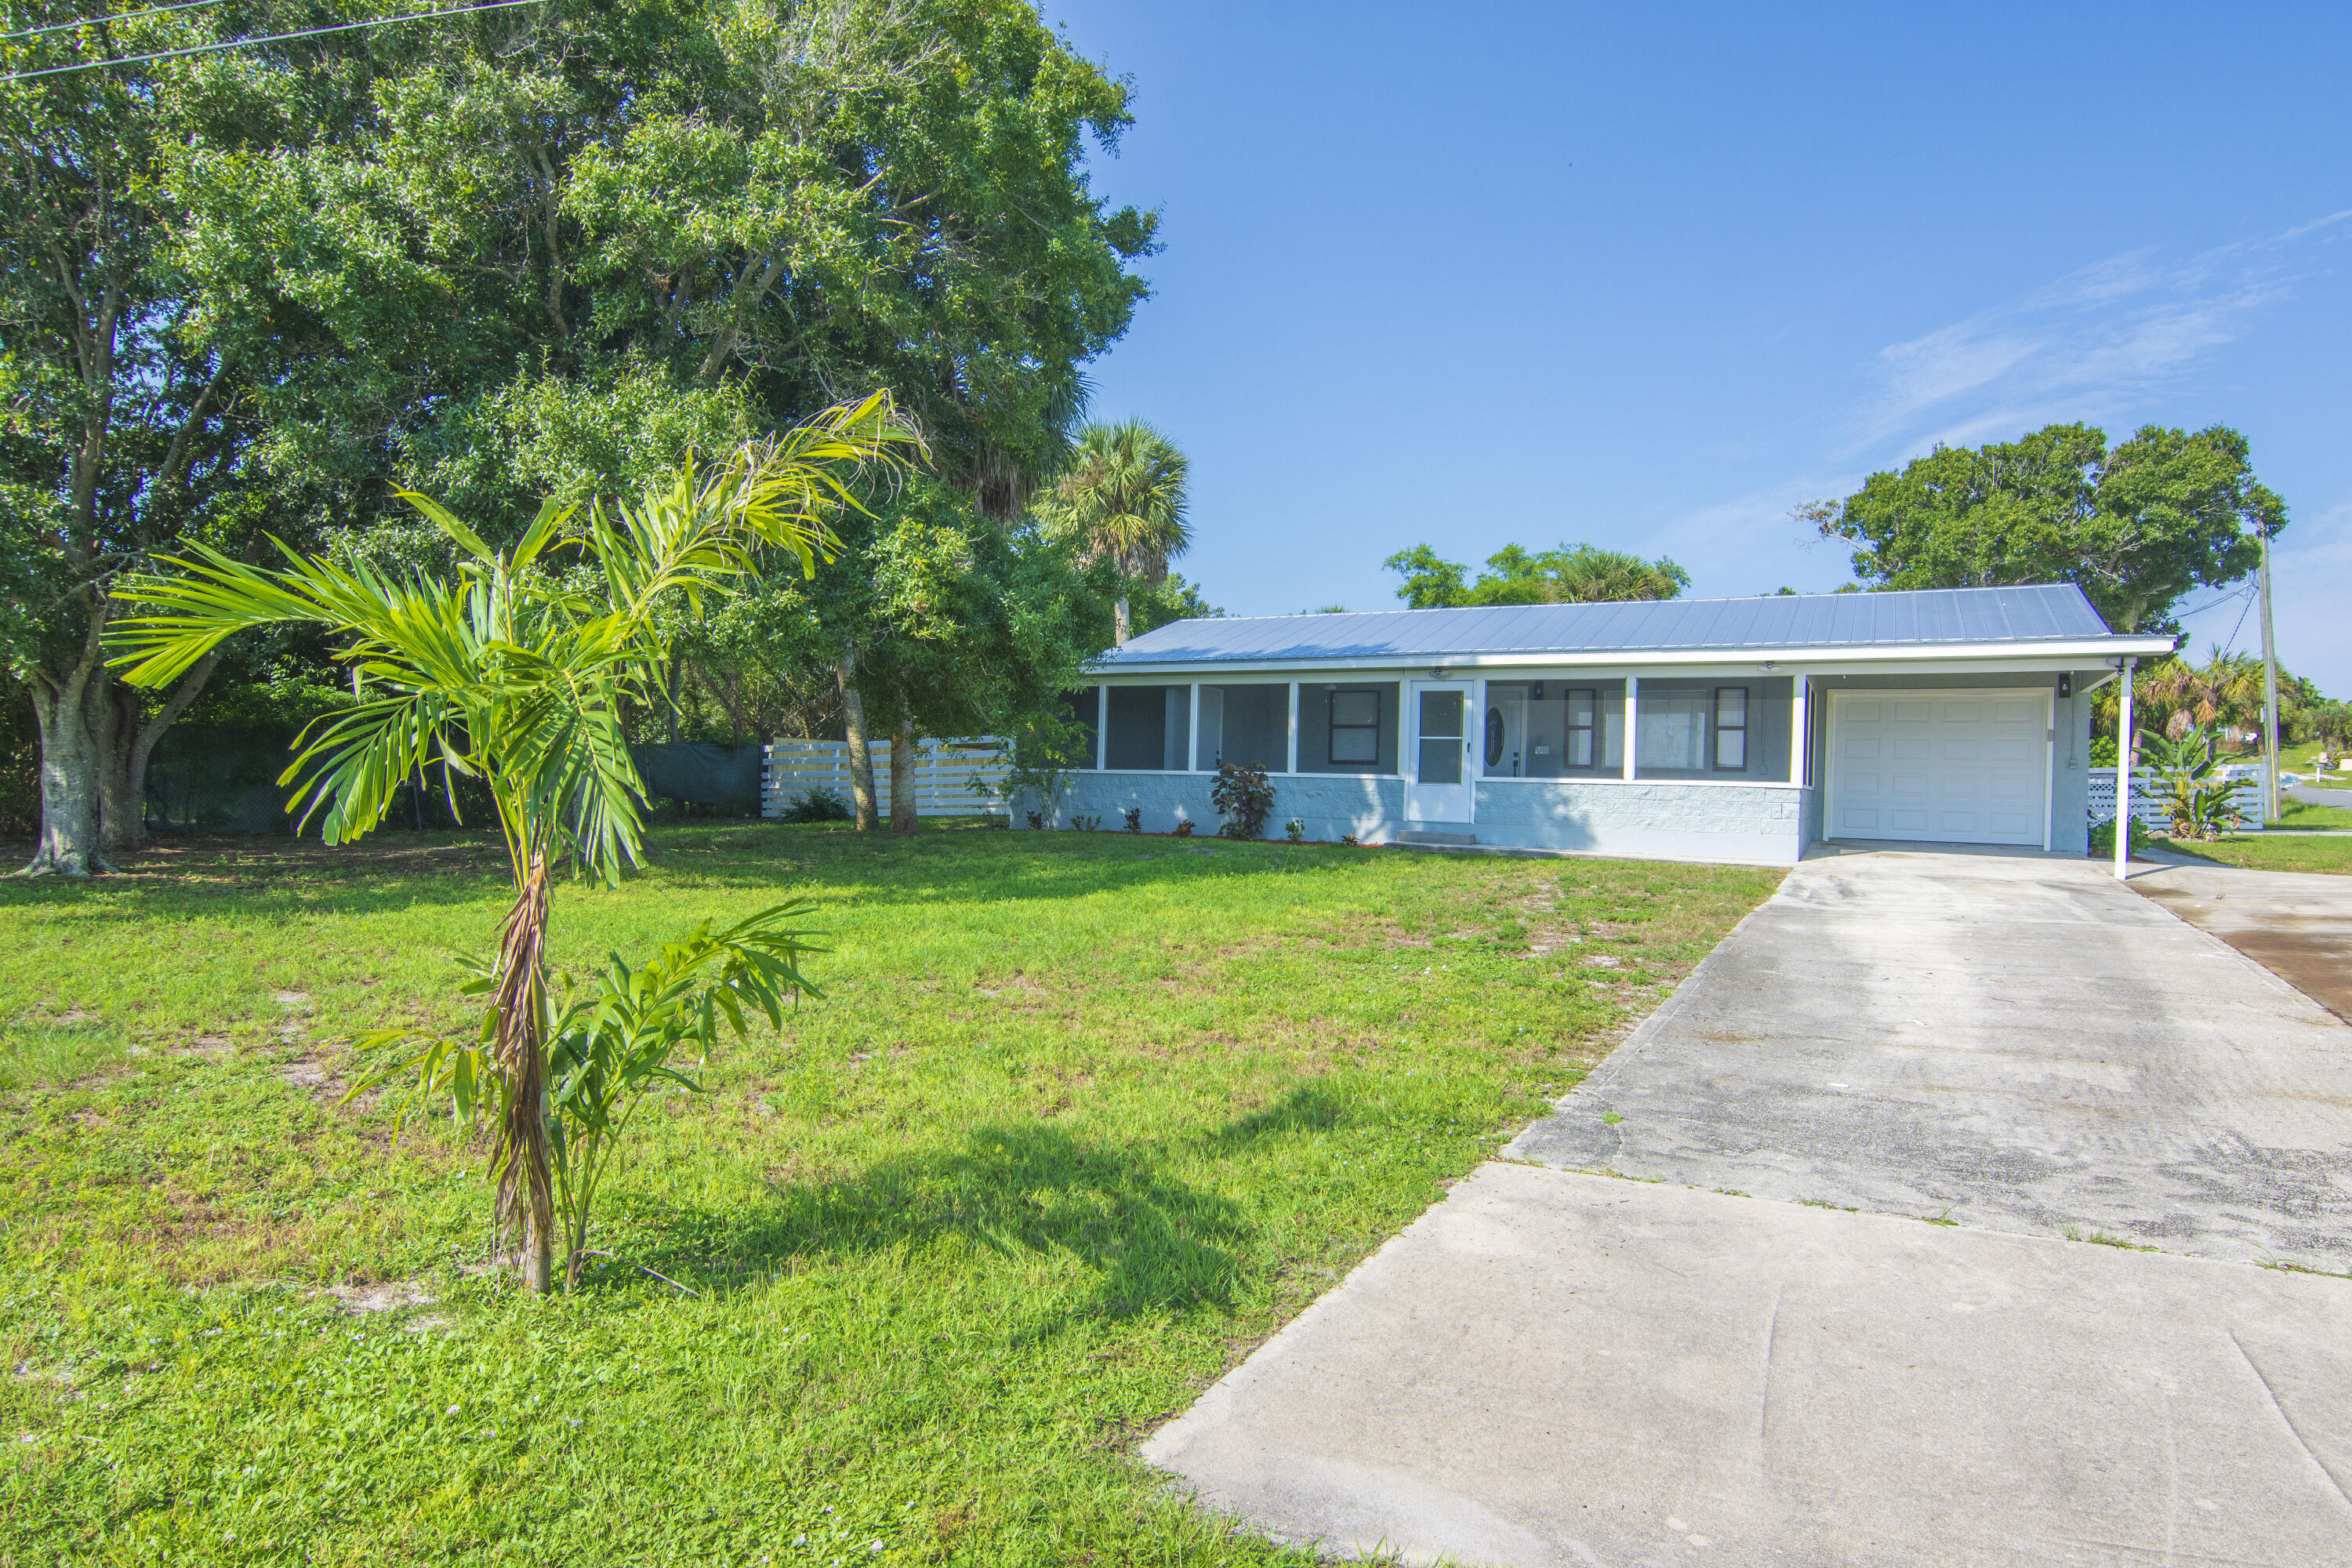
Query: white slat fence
(943, 772)
(2149, 799)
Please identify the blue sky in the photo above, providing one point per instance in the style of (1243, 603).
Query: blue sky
(1650, 276)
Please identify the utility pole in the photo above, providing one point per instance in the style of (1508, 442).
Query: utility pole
(2270, 810)
(2124, 668)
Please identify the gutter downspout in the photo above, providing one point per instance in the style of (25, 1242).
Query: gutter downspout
(2124, 773)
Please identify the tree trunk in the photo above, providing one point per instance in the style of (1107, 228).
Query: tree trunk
(1119, 623)
(861, 755)
(70, 765)
(902, 780)
(526, 1196)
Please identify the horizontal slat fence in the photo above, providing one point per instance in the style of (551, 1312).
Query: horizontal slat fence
(943, 774)
(2148, 802)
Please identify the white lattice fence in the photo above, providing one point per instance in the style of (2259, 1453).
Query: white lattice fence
(2149, 803)
(943, 773)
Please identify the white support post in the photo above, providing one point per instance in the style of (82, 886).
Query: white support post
(1801, 689)
(1194, 759)
(2124, 775)
(1102, 728)
(1294, 728)
(1632, 717)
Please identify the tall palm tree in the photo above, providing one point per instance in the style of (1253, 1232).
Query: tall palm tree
(1123, 498)
(520, 675)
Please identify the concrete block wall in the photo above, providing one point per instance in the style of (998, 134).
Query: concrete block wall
(1682, 821)
(1332, 804)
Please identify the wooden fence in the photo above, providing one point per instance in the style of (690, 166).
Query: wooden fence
(943, 774)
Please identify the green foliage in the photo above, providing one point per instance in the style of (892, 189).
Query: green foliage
(606, 1050)
(519, 675)
(818, 805)
(1244, 796)
(1038, 755)
(1122, 498)
(2103, 838)
(1579, 574)
(2201, 802)
(2134, 527)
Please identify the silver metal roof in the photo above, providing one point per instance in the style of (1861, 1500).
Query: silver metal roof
(2043, 613)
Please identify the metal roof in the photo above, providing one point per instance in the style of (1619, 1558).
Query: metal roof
(2040, 613)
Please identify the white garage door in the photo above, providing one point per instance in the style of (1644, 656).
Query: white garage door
(1958, 767)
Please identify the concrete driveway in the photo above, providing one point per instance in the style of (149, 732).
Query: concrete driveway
(2296, 925)
(1744, 1355)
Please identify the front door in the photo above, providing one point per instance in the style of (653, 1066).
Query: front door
(1437, 788)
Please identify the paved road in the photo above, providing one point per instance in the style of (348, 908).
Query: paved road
(1556, 1366)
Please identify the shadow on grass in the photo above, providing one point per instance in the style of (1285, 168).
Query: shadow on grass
(1012, 1189)
(266, 878)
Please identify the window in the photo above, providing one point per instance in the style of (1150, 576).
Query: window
(1247, 724)
(1148, 728)
(1581, 701)
(1731, 729)
(1355, 728)
(1671, 730)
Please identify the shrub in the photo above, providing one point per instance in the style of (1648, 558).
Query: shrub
(819, 804)
(1183, 829)
(1294, 830)
(1244, 796)
(1132, 818)
(2103, 838)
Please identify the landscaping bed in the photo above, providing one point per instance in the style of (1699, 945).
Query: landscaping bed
(1080, 1118)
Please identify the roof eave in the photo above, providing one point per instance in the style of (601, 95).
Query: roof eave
(2054, 653)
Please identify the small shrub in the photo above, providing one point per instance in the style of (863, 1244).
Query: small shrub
(1037, 819)
(1294, 830)
(819, 804)
(1132, 818)
(1350, 840)
(1244, 796)
(1086, 825)
(1183, 829)
(2103, 838)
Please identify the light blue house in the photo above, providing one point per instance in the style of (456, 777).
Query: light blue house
(1707, 729)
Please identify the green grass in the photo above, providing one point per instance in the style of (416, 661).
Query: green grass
(1080, 1120)
(2293, 813)
(2331, 856)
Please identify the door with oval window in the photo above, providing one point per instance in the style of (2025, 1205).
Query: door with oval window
(1438, 787)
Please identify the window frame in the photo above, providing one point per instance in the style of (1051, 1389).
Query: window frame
(1589, 729)
(1331, 728)
(1717, 729)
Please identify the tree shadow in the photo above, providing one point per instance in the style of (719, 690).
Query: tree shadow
(1148, 1241)
(1306, 1108)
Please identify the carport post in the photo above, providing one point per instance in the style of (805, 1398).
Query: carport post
(2124, 773)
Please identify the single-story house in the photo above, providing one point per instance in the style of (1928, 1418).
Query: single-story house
(1706, 729)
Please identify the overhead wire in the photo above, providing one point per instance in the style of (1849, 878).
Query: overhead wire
(99, 21)
(267, 39)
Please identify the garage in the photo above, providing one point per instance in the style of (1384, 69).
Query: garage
(1963, 766)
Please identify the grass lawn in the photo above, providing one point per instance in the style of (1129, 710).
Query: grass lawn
(1080, 1120)
(2293, 813)
(2333, 855)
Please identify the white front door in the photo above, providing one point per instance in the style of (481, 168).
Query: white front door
(1963, 766)
(1437, 751)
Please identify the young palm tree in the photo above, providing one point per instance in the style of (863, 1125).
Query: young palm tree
(518, 675)
(1123, 498)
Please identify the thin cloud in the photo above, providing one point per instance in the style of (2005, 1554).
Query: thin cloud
(2087, 345)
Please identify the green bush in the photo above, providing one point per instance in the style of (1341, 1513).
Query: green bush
(819, 804)
(1244, 796)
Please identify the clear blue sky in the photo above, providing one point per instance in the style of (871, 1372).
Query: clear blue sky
(1648, 276)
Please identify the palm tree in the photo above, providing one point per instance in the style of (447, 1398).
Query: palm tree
(520, 675)
(1122, 498)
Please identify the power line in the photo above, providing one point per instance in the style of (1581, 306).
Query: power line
(118, 17)
(271, 38)
(2222, 599)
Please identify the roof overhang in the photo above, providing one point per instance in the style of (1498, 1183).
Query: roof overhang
(1958, 658)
